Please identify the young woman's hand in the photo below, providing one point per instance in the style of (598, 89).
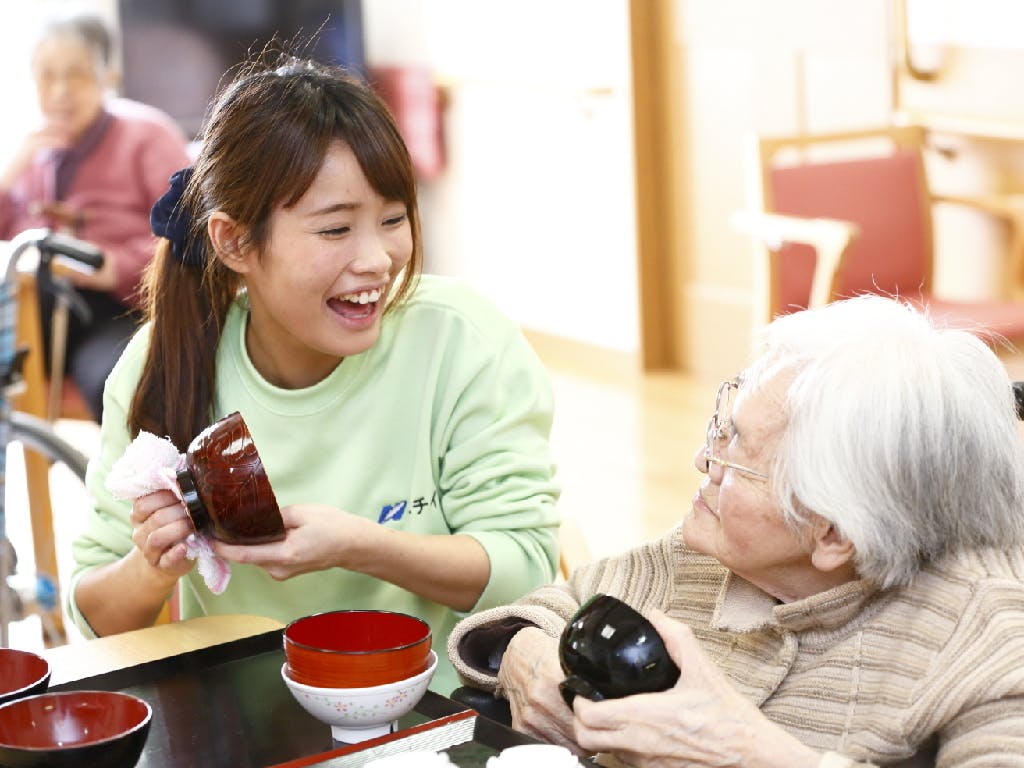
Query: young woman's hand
(703, 720)
(160, 526)
(447, 569)
(144, 578)
(530, 674)
(317, 537)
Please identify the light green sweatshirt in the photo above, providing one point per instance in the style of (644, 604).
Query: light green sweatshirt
(441, 427)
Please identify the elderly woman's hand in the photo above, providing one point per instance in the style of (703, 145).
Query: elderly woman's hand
(703, 720)
(102, 279)
(530, 674)
(43, 138)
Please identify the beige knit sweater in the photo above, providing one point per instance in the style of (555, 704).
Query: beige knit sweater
(865, 676)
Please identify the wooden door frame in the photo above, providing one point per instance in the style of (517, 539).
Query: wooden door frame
(659, 213)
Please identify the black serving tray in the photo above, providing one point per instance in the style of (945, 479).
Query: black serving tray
(226, 705)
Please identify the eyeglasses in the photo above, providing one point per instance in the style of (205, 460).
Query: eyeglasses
(719, 431)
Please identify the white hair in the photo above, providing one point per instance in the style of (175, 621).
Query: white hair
(901, 434)
(85, 27)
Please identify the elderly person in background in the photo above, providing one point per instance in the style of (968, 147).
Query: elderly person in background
(93, 168)
(848, 588)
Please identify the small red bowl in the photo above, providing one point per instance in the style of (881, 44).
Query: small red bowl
(356, 649)
(22, 674)
(99, 729)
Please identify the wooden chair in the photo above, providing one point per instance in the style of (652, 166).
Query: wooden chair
(848, 213)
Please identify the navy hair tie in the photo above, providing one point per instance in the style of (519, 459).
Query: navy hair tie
(169, 218)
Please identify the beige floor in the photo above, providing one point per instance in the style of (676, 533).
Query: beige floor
(623, 443)
(625, 454)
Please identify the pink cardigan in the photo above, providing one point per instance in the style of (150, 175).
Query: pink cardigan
(115, 184)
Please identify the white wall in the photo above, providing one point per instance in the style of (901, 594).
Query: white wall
(19, 96)
(536, 207)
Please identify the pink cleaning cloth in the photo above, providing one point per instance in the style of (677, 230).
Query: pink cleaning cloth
(150, 464)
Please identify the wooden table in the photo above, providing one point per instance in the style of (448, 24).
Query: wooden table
(77, 661)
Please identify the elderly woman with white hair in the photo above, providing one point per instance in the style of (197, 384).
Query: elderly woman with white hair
(93, 167)
(848, 588)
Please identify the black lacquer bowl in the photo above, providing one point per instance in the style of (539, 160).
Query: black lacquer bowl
(609, 650)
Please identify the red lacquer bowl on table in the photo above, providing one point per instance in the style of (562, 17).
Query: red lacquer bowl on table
(225, 487)
(22, 674)
(356, 648)
(99, 729)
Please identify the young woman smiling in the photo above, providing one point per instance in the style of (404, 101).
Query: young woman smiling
(403, 421)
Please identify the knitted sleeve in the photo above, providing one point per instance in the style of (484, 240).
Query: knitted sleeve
(977, 702)
(640, 577)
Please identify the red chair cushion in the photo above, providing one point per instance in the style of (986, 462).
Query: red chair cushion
(884, 196)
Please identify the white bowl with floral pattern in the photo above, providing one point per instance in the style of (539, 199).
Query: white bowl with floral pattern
(358, 714)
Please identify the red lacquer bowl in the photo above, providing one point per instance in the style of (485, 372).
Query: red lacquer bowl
(22, 674)
(99, 729)
(356, 649)
(225, 486)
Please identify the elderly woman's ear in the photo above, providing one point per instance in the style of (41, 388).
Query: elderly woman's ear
(830, 550)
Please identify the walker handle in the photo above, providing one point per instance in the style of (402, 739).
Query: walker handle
(56, 243)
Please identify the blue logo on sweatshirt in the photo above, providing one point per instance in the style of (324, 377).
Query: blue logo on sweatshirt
(391, 512)
(394, 512)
